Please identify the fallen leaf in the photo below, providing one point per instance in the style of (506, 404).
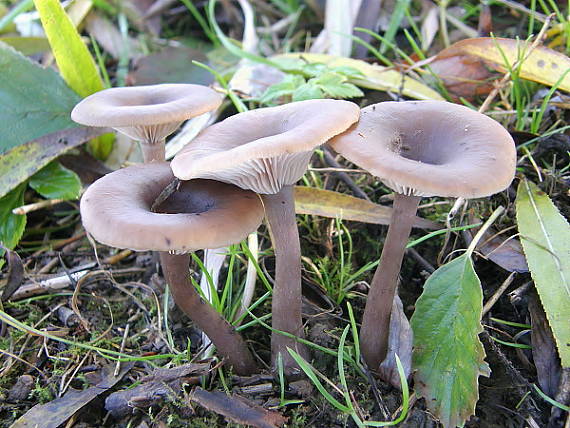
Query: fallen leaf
(326, 203)
(376, 77)
(23, 161)
(15, 275)
(543, 65)
(171, 65)
(400, 342)
(545, 235)
(463, 76)
(110, 38)
(56, 412)
(237, 409)
(544, 353)
(505, 252)
(253, 79)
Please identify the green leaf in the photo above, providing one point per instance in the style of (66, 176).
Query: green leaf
(11, 225)
(54, 181)
(314, 69)
(348, 72)
(375, 76)
(75, 63)
(448, 356)
(27, 45)
(336, 86)
(284, 88)
(33, 100)
(23, 161)
(308, 91)
(545, 237)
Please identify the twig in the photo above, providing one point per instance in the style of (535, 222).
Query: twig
(25, 209)
(506, 283)
(123, 342)
(329, 158)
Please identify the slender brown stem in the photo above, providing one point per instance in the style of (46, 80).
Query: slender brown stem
(376, 320)
(286, 300)
(153, 151)
(224, 336)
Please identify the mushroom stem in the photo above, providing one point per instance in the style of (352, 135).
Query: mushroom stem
(374, 332)
(286, 300)
(224, 336)
(153, 152)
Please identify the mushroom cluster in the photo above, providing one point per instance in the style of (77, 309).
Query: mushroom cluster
(243, 169)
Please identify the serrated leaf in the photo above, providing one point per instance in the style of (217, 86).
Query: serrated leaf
(336, 86)
(54, 181)
(348, 72)
(284, 88)
(75, 63)
(23, 161)
(314, 69)
(33, 100)
(326, 203)
(545, 237)
(11, 225)
(375, 76)
(448, 355)
(307, 91)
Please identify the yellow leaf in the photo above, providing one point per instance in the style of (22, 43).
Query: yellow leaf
(543, 65)
(326, 203)
(376, 77)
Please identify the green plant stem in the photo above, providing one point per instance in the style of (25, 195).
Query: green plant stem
(229, 343)
(286, 300)
(376, 320)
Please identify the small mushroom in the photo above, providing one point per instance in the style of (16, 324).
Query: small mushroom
(146, 113)
(420, 148)
(267, 150)
(116, 211)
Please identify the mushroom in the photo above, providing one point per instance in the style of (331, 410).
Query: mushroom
(267, 150)
(146, 113)
(420, 148)
(116, 211)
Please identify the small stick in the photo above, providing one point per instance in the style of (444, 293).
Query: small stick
(506, 283)
(123, 342)
(329, 158)
(25, 209)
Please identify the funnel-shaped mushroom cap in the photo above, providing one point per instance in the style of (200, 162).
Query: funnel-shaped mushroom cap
(116, 211)
(267, 148)
(148, 113)
(431, 148)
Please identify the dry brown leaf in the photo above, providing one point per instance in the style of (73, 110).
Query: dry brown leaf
(56, 412)
(326, 203)
(543, 65)
(237, 409)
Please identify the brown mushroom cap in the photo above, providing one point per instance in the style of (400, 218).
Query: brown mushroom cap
(116, 211)
(147, 113)
(431, 148)
(267, 148)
